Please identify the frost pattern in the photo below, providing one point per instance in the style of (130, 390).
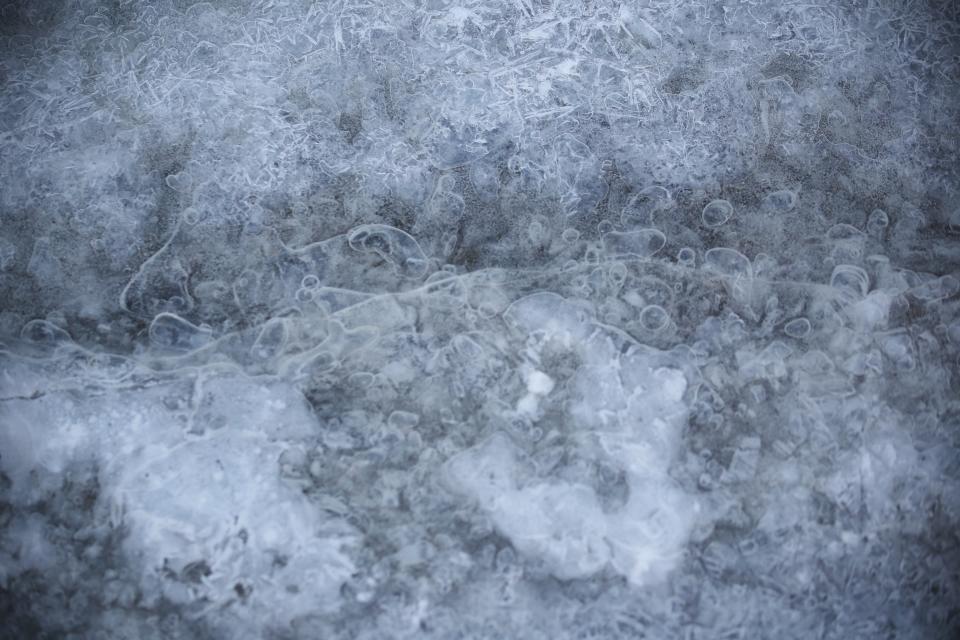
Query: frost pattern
(479, 319)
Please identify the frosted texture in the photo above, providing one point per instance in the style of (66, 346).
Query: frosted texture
(479, 319)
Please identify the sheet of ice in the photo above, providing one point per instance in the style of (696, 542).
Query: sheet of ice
(192, 480)
(479, 319)
(633, 411)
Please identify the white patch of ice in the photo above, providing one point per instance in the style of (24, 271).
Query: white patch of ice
(214, 500)
(634, 409)
(539, 383)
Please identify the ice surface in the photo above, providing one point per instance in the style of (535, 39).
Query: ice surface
(729, 262)
(391, 244)
(716, 213)
(633, 412)
(177, 497)
(502, 319)
(642, 243)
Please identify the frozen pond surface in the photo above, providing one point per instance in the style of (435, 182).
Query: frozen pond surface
(479, 319)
